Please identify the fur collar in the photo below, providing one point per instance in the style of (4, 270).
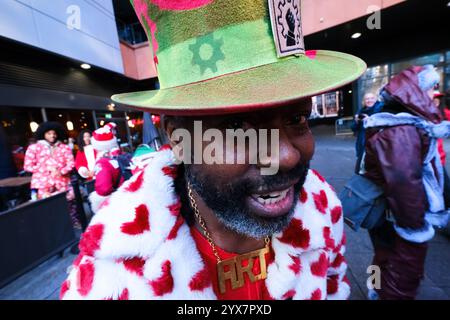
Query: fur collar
(142, 221)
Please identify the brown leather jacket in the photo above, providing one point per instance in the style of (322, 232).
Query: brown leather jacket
(394, 155)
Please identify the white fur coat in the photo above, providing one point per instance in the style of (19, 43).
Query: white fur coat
(139, 247)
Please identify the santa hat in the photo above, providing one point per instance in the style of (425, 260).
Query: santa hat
(103, 139)
(438, 94)
(428, 77)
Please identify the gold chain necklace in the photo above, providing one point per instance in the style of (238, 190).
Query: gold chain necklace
(235, 271)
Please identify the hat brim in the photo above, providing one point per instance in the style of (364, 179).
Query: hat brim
(267, 86)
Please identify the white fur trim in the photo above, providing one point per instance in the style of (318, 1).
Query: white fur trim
(83, 172)
(104, 145)
(157, 193)
(416, 235)
(90, 156)
(428, 77)
(96, 201)
(438, 219)
(342, 294)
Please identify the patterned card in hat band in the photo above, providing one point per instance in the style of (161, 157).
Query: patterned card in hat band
(286, 21)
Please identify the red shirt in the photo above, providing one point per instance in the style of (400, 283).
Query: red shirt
(447, 114)
(250, 291)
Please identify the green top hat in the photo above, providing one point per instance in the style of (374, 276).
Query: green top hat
(225, 56)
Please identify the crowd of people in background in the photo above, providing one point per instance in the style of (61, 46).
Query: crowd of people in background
(53, 160)
(399, 148)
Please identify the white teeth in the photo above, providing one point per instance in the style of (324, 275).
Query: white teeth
(274, 197)
(261, 200)
(274, 194)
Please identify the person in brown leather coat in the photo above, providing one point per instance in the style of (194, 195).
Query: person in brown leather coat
(394, 159)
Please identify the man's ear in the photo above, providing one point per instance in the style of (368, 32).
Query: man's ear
(169, 125)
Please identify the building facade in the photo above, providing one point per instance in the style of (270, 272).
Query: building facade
(61, 61)
(44, 43)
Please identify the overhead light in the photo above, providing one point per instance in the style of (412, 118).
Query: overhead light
(102, 123)
(69, 125)
(85, 66)
(350, 91)
(34, 126)
(356, 35)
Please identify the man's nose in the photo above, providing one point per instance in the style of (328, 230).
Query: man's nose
(287, 157)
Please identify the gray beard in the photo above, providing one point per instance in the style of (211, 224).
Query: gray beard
(229, 204)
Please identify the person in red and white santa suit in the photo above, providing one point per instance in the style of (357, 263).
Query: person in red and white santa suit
(106, 171)
(86, 156)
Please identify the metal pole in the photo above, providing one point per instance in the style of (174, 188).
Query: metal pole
(357, 95)
(44, 115)
(94, 117)
(128, 132)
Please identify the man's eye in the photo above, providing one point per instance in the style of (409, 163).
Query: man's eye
(298, 120)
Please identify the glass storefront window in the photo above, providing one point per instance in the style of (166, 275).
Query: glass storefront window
(19, 124)
(447, 79)
(136, 123)
(74, 121)
(375, 72)
(435, 59)
(446, 87)
(332, 104)
(373, 85)
(132, 33)
(326, 105)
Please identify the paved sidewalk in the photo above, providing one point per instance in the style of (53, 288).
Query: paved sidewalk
(334, 159)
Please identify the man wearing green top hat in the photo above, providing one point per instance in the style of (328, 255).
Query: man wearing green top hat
(184, 227)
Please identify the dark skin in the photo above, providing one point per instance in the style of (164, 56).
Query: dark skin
(296, 146)
(52, 137)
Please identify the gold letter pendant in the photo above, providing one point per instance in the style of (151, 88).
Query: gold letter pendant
(236, 271)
